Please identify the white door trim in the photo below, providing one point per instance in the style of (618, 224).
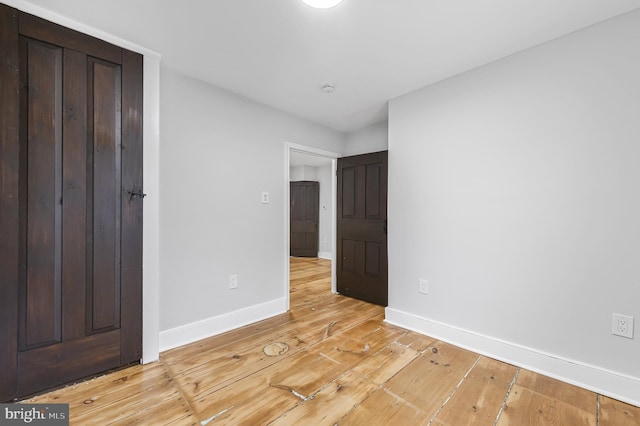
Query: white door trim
(293, 147)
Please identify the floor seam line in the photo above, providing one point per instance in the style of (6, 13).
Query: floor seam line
(455, 389)
(506, 397)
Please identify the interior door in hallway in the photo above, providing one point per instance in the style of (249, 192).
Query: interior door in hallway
(70, 218)
(305, 205)
(362, 227)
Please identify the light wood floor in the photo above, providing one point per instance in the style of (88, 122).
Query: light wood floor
(332, 360)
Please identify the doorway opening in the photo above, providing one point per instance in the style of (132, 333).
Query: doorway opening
(301, 162)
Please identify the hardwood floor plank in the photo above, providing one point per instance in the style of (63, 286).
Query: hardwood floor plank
(417, 392)
(164, 396)
(430, 379)
(232, 366)
(327, 406)
(350, 389)
(220, 367)
(385, 408)
(329, 359)
(527, 407)
(168, 412)
(386, 363)
(344, 365)
(105, 392)
(416, 341)
(616, 413)
(480, 396)
(200, 352)
(188, 352)
(580, 398)
(297, 377)
(248, 402)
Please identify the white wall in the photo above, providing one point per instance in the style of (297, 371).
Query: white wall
(298, 173)
(369, 139)
(326, 208)
(515, 190)
(218, 152)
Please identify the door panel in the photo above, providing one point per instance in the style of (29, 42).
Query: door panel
(305, 205)
(40, 177)
(71, 303)
(53, 365)
(373, 259)
(362, 227)
(348, 197)
(373, 203)
(74, 194)
(104, 125)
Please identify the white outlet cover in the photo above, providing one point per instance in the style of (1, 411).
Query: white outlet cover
(622, 325)
(265, 197)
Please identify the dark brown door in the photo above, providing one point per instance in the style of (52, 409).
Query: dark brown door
(362, 227)
(305, 204)
(71, 245)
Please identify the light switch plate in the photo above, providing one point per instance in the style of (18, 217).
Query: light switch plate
(424, 287)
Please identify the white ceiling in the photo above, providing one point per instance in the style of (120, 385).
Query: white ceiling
(281, 52)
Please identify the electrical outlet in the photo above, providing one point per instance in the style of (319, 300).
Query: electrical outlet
(622, 326)
(233, 282)
(265, 197)
(424, 287)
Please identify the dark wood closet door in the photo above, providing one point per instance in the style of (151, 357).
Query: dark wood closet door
(305, 216)
(362, 227)
(71, 250)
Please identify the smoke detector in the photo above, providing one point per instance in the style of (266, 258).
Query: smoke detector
(328, 88)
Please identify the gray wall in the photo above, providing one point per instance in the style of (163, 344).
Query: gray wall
(515, 190)
(218, 152)
(326, 208)
(303, 173)
(369, 139)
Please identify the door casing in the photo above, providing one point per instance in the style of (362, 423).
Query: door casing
(333, 156)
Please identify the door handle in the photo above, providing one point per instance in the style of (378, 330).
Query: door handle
(384, 227)
(134, 194)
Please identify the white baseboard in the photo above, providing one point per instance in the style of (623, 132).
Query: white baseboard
(199, 330)
(615, 385)
(325, 255)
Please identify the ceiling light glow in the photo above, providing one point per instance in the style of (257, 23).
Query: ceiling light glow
(322, 4)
